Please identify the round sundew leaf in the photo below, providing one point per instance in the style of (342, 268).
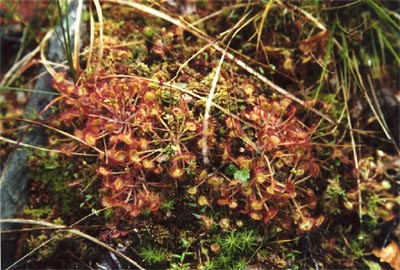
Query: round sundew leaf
(154, 205)
(90, 139)
(279, 164)
(207, 221)
(105, 201)
(148, 163)
(257, 205)
(319, 220)
(215, 181)
(215, 247)
(233, 204)
(271, 213)
(306, 225)
(150, 96)
(223, 201)
(103, 171)
(59, 77)
(389, 205)
(260, 177)
(202, 175)
(192, 190)
(120, 156)
(224, 223)
(256, 215)
(248, 89)
(247, 190)
(126, 138)
(143, 144)
(274, 140)
(134, 212)
(134, 155)
(118, 184)
(285, 102)
(203, 201)
(298, 172)
(288, 159)
(270, 190)
(110, 127)
(314, 169)
(176, 171)
(191, 126)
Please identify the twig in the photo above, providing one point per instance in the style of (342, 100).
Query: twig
(100, 50)
(41, 148)
(66, 134)
(208, 108)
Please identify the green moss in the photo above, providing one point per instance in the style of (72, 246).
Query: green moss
(38, 213)
(51, 178)
(153, 255)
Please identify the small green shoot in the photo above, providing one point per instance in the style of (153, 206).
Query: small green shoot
(153, 255)
(243, 175)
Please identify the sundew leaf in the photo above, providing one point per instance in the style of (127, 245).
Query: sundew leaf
(243, 175)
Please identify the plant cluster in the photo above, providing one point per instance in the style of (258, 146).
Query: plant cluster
(146, 142)
(138, 149)
(265, 165)
(148, 137)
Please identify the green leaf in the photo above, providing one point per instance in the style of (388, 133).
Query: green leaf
(51, 166)
(196, 215)
(243, 175)
(231, 170)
